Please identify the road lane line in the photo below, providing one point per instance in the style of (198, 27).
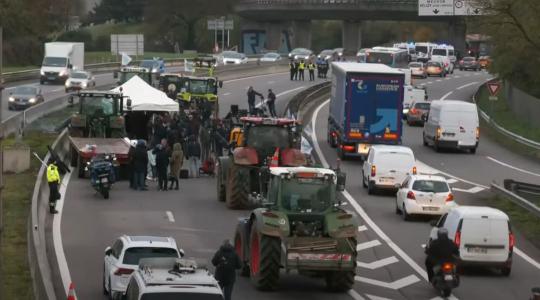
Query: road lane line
(378, 263)
(446, 95)
(226, 94)
(395, 285)
(512, 167)
(57, 236)
(362, 228)
(170, 216)
(367, 245)
(373, 297)
(429, 82)
(357, 206)
(473, 190)
(271, 82)
(423, 165)
(438, 80)
(466, 85)
(451, 181)
(355, 295)
(527, 258)
(281, 94)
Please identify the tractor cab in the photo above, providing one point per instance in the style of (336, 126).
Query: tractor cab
(100, 114)
(126, 73)
(171, 84)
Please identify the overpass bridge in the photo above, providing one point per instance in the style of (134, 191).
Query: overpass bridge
(286, 24)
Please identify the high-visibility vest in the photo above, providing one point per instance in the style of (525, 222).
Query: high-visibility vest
(302, 66)
(52, 173)
(311, 66)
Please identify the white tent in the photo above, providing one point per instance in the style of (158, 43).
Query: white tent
(144, 97)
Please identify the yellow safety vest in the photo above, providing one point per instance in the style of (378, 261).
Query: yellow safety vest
(302, 66)
(311, 66)
(52, 173)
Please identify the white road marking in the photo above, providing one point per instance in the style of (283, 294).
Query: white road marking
(423, 166)
(395, 285)
(357, 206)
(452, 297)
(446, 95)
(457, 76)
(473, 190)
(512, 167)
(429, 82)
(448, 78)
(271, 82)
(527, 258)
(57, 90)
(466, 85)
(355, 295)
(362, 228)
(282, 94)
(57, 236)
(226, 94)
(373, 297)
(170, 216)
(423, 83)
(378, 263)
(438, 80)
(451, 180)
(367, 245)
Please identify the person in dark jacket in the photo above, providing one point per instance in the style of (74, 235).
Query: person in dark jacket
(271, 102)
(440, 251)
(226, 262)
(292, 69)
(251, 93)
(194, 156)
(162, 163)
(140, 166)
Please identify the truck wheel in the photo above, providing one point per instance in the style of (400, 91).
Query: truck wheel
(239, 246)
(371, 188)
(265, 252)
(364, 184)
(339, 281)
(80, 167)
(220, 187)
(237, 187)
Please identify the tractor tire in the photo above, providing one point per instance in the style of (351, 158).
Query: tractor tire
(237, 191)
(239, 246)
(339, 281)
(265, 252)
(220, 187)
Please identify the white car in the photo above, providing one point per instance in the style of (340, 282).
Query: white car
(445, 61)
(418, 69)
(301, 54)
(122, 259)
(233, 57)
(386, 167)
(424, 195)
(270, 57)
(80, 80)
(483, 235)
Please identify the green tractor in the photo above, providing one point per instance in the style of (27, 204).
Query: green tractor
(256, 144)
(126, 73)
(100, 115)
(300, 227)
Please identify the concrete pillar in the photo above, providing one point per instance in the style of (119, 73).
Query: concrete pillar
(352, 36)
(301, 31)
(457, 34)
(273, 35)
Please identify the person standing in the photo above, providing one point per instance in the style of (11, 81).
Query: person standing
(296, 65)
(204, 137)
(53, 179)
(162, 163)
(251, 93)
(226, 262)
(271, 102)
(140, 166)
(301, 69)
(291, 69)
(194, 157)
(177, 159)
(152, 166)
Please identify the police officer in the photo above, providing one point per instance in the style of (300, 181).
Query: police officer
(301, 68)
(292, 69)
(311, 68)
(53, 178)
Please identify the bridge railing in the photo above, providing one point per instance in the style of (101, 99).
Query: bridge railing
(324, 2)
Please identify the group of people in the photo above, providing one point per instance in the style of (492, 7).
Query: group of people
(270, 101)
(297, 69)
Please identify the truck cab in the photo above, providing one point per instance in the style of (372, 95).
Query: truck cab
(126, 73)
(60, 59)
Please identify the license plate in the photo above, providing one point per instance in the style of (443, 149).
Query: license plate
(386, 180)
(51, 78)
(448, 277)
(104, 179)
(477, 250)
(430, 208)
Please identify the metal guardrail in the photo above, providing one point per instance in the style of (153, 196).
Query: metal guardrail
(515, 198)
(302, 98)
(326, 2)
(502, 130)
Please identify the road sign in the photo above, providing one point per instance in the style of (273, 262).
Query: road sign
(493, 98)
(435, 7)
(466, 8)
(494, 87)
(130, 44)
(220, 24)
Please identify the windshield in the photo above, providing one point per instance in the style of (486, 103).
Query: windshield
(25, 90)
(125, 76)
(198, 86)
(54, 62)
(380, 58)
(93, 106)
(433, 64)
(267, 138)
(326, 52)
(300, 51)
(271, 55)
(181, 295)
(468, 59)
(441, 52)
(422, 49)
(423, 106)
(133, 255)
(79, 75)
(149, 64)
(232, 55)
(430, 186)
(306, 195)
(415, 65)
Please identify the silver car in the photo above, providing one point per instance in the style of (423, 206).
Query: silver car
(80, 80)
(301, 53)
(24, 96)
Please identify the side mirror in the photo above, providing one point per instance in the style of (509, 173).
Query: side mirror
(115, 74)
(70, 66)
(220, 83)
(433, 223)
(341, 180)
(108, 251)
(182, 253)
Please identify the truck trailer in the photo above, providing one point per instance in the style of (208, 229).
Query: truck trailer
(61, 58)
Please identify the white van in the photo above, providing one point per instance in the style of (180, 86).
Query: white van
(452, 124)
(387, 167)
(445, 50)
(483, 234)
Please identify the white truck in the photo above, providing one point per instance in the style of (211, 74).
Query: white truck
(60, 59)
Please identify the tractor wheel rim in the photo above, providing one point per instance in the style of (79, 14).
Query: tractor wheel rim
(255, 254)
(238, 248)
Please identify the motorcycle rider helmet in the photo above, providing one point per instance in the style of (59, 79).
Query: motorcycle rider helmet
(442, 233)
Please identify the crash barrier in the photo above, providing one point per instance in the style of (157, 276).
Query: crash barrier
(502, 130)
(510, 190)
(303, 98)
(324, 2)
(38, 226)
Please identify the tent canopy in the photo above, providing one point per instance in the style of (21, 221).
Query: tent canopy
(144, 97)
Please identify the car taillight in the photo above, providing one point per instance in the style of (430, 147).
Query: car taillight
(511, 241)
(347, 148)
(123, 271)
(413, 111)
(457, 238)
(446, 64)
(450, 197)
(373, 171)
(334, 134)
(447, 267)
(414, 170)
(461, 62)
(438, 134)
(410, 195)
(477, 133)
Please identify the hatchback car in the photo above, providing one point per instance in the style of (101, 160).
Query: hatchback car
(418, 69)
(122, 259)
(424, 195)
(270, 57)
(469, 63)
(80, 80)
(417, 113)
(24, 96)
(233, 58)
(327, 55)
(435, 68)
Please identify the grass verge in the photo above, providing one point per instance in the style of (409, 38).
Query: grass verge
(17, 195)
(522, 220)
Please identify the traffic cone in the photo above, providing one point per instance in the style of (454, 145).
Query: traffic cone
(274, 163)
(71, 292)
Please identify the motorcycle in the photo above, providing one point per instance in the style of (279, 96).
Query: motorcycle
(445, 278)
(102, 173)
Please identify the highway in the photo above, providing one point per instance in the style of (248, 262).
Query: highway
(391, 255)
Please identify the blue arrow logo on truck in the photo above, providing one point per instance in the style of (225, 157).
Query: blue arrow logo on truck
(388, 118)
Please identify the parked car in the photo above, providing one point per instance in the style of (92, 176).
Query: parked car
(424, 195)
(483, 235)
(469, 63)
(301, 54)
(418, 69)
(417, 113)
(270, 57)
(233, 58)
(80, 80)
(24, 97)
(122, 259)
(435, 68)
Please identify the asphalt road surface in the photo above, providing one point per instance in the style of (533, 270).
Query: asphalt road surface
(390, 250)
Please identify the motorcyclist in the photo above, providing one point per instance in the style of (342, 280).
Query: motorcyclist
(439, 251)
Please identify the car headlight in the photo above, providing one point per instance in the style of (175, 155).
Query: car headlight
(68, 83)
(154, 70)
(11, 99)
(32, 100)
(84, 84)
(63, 73)
(42, 73)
